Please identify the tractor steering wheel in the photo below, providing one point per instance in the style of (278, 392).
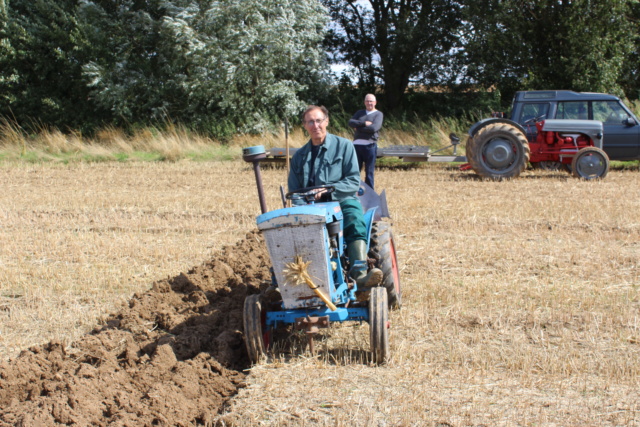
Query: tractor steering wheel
(535, 119)
(309, 193)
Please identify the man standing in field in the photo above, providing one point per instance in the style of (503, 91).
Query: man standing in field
(367, 124)
(328, 159)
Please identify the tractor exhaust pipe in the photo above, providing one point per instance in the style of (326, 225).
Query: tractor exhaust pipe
(254, 155)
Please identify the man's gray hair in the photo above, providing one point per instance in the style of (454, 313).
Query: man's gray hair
(315, 107)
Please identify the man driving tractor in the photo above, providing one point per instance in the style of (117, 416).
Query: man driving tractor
(328, 159)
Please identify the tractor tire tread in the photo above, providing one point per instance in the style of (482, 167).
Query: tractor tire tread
(476, 144)
(382, 248)
(253, 328)
(379, 325)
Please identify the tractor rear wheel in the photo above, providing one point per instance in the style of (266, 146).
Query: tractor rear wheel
(468, 149)
(590, 163)
(379, 325)
(256, 336)
(383, 249)
(498, 151)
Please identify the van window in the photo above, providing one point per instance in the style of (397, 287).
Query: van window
(609, 112)
(540, 95)
(531, 111)
(573, 110)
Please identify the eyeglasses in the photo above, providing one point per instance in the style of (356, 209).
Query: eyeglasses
(316, 122)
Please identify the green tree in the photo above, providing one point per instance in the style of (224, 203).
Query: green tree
(212, 64)
(252, 61)
(133, 70)
(395, 43)
(630, 77)
(41, 55)
(546, 44)
(244, 62)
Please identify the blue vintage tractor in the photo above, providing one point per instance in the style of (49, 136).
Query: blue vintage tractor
(309, 270)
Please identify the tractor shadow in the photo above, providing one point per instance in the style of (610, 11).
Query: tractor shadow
(210, 320)
(341, 344)
(527, 175)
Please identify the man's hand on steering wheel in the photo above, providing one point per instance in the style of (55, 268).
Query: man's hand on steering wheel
(319, 192)
(310, 194)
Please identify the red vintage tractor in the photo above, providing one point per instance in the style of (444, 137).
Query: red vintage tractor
(498, 148)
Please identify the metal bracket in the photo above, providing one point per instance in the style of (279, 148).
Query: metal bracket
(311, 327)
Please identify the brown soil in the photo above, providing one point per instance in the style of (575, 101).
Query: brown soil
(174, 356)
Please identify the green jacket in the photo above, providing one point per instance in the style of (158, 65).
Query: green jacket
(336, 164)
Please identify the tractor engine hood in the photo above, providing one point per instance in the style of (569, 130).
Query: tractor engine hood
(592, 128)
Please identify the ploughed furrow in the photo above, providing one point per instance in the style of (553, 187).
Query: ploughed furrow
(173, 356)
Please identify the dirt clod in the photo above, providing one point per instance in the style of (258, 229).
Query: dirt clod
(174, 356)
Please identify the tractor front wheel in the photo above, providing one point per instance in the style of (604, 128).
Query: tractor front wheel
(379, 325)
(498, 151)
(383, 249)
(256, 336)
(590, 163)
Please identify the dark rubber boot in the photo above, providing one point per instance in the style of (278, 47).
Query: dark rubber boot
(357, 252)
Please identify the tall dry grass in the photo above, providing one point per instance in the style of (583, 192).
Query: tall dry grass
(174, 143)
(521, 302)
(170, 144)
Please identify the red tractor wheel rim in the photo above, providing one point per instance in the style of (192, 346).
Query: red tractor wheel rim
(394, 268)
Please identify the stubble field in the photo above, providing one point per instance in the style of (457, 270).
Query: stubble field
(521, 302)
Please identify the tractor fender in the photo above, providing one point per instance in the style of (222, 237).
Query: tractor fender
(491, 120)
(370, 199)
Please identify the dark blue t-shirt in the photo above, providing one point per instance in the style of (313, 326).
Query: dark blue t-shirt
(315, 149)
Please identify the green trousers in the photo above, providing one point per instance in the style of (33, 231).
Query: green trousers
(354, 225)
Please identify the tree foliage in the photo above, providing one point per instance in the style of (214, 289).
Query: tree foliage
(630, 76)
(396, 43)
(41, 52)
(546, 44)
(253, 61)
(243, 62)
(507, 45)
(133, 70)
(226, 64)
